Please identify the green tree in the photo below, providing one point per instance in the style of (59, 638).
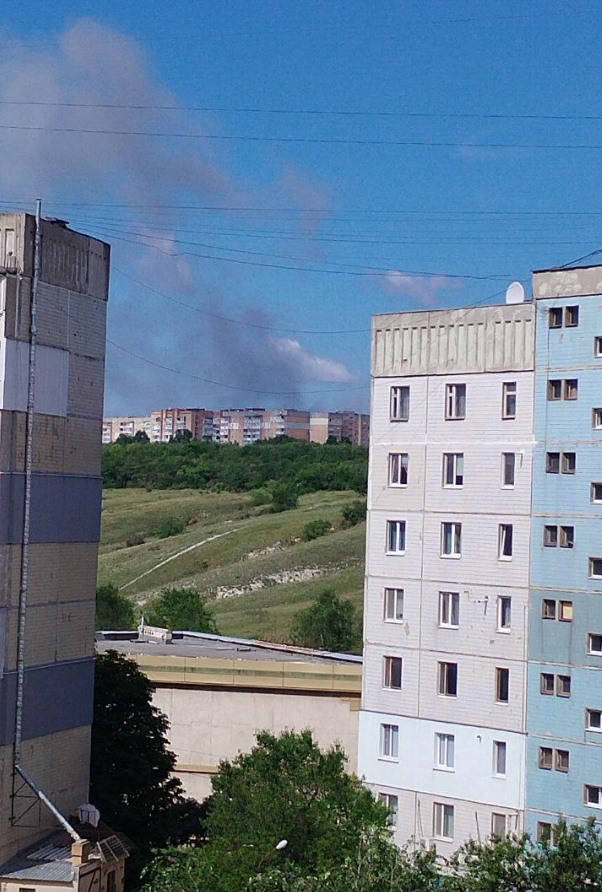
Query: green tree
(329, 624)
(286, 788)
(131, 766)
(284, 498)
(181, 608)
(315, 528)
(113, 610)
(353, 514)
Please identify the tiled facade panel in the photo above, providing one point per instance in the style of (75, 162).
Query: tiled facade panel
(87, 325)
(64, 509)
(472, 777)
(558, 792)
(86, 382)
(69, 445)
(59, 631)
(52, 757)
(53, 311)
(83, 446)
(51, 373)
(566, 643)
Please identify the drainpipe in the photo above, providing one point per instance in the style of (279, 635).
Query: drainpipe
(24, 583)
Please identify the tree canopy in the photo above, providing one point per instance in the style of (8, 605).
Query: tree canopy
(181, 608)
(329, 624)
(113, 610)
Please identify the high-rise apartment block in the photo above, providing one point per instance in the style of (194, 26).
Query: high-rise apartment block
(482, 702)
(51, 398)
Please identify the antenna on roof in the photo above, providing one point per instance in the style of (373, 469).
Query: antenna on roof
(515, 293)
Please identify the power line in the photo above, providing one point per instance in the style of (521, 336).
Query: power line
(304, 140)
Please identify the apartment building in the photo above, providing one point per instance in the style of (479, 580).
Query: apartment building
(51, 397)
(340, 426)
(482, 694)
(564, 750)
(126, 425)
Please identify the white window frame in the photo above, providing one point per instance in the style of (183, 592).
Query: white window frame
(389, 661)
(592, 567)
(392, 600)
(398, 468)
(449, 604)
(454, 528)
(445, 752)
(502, 602)
(588, 723)
(508, 466)
(597, 419)
(596, 497)
(391, 803)
(586, 795)
(566, 536)
(590, 637)
(443, 676)
(389, 742)
(396, 539)
(399, 402)
(545, 758)
(497, 817)
(550, 535)
(598, 346)
(503, 541)
(453, 469)
(509, 399)
(500, 758)
(455, 402)
(443, 821)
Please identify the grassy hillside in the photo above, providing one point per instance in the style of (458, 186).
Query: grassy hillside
(251, 564)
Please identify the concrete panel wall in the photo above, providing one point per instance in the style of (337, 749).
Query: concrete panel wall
(52, 378)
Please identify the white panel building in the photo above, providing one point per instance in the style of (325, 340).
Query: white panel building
(442, 726)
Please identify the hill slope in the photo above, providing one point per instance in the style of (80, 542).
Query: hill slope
(252, 565)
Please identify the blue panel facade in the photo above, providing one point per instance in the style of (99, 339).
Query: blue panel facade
(63, 508)
(565, 601)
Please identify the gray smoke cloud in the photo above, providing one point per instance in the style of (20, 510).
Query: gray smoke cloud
(92, 63)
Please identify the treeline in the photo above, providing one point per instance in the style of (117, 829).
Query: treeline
(308, 467)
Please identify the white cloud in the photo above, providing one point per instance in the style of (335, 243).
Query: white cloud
(308, 366)
(425, 289)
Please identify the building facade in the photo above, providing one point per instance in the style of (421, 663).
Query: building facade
(51, 399)
(481, 706)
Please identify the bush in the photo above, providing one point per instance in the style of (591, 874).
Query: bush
(183, 609)
(259, 497)
(171, 526)
(134, 539)
(353, 514)
(329, 624)
(284, 498)
(315, 528)
(113, 610)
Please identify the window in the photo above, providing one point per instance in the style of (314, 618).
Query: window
(593, 719)
(396, 536)
(502, 685)
(112, 881)
(455, 401)
(594, 641)
(505, 541)
(546, 757)
(598, 346)
(562, 760)
(389, 741)
(453, 469)
(563, 685)
(569, 462)
(448, 679)
(504, 613)
(392, 673)
(449, 609)
(565, 612)
(545, 832)
(391, 802)
(567, 537)
(548, 608)
(451, 539)
(595, 568)
(552, 462)
(571, 389)
(550, 536)
(597, 418)
(508, 468)
(596, 493)
(398, 469)
(499, 758)
(445, 751)
(593, 796)
(393, 610)
(555, 317)
(443, 820)
(509, 399)
(555, 389)
(546, 683)
(399, 406)
(498, 824)
(571, 317)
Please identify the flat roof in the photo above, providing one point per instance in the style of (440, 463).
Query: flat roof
(199, 644)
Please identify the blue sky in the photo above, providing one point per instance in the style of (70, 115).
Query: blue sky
(349, 164)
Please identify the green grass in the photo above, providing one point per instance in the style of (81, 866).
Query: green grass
(248, 572)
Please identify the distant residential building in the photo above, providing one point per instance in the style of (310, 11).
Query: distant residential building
(340, 426)
(244, 687)
(127, 425)
(166, 423)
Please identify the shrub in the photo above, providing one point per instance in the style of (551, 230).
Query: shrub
(134, 539)
(329, 624)
(353, 514)
(113, 610)
(259, 497)
(315, 528)
(181, 608)
(284, 498)
(171, 526)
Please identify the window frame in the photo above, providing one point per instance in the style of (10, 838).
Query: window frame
(505, 541)
(563, 685)
(597, 418)
(443, 820)
(449, 602)
(547, 684)
(593, 499)
(549, 608)
(588, 725)
(554, 390)
(392, 595)
(545, 758)
(504, 600)
(592, 562)
(502, 684)
(549, 462)
(506, 466)
(555, 316)
(454, 462)
(455, 401)
(571, 316)
(598, 346)
(568, 462)
(399, 398)
(400, 468)
(590, 650)
(389, 740)
(446, 673)
(392, 667)
(587, 801)
(509, 400)
(500, 758)
(566, 536)
(570, 389)
(445, 751)
(565, 611)
(559, 764)
(497, 816)
(455, 539)
(550, 535)
(391, 803)
(398, 539)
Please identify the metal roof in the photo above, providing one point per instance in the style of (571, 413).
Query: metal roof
(49, 860)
